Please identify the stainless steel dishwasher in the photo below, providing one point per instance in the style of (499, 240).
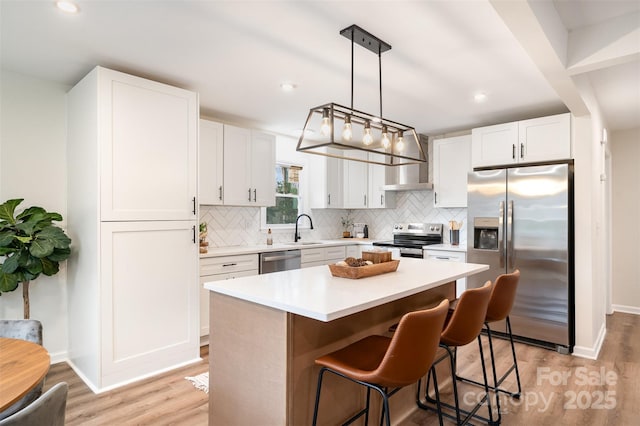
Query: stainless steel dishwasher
(275, 261)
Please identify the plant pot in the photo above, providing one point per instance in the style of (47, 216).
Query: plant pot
(346, 234)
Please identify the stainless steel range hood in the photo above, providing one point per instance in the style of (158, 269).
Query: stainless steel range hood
(413, 177)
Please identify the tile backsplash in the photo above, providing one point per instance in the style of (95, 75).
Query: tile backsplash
(232, 226)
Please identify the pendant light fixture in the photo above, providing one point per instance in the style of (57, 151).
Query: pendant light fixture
(337, 131)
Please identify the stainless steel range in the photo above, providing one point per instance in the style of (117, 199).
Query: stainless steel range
(411, 237)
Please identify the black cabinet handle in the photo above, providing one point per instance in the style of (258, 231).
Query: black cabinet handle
(220, 191)
(249, 194)
(521, 150)
(435, 198)
(513, 151)
(255, 197)
(381, 200)
(194, 205)
(194, 234)
(365, 199)
(229, 264)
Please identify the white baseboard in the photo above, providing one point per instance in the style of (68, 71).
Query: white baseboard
(594, 351)
(59, 357)
(626, 309)
(204, 340)
(97, 390)
(84, 378)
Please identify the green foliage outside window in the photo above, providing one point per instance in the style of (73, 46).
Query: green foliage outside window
(286, 209)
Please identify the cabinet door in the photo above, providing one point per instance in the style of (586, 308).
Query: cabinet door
(545, 139)
(317, 175)
(451, 164)
(211, 159)
(148, 149)
(237, 159)
(353, 251)
(450, 256)
(149, 298)
(334, 177)
(263, 165)
(204, 295)
(494, 145)
(355, 182)
(377, 197)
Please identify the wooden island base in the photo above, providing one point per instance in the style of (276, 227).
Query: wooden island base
(262, 369)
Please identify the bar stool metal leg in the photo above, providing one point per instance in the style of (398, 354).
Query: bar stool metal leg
(469, 415)
(514, 366)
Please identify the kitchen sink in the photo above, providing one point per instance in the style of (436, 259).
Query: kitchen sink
(304, 243)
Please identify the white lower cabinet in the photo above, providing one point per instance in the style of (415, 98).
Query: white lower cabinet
(322, 256)
(353, 251)
(450, 256)
(218, 269)
(147, 299)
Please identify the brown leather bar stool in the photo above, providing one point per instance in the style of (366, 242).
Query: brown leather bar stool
(463, 325)
(502, 297)
(381, 363)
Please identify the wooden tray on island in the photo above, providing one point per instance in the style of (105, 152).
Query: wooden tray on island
(355, 272)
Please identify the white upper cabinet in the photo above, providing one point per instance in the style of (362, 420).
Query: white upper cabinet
(325, 182)
(451, 164)
(263, 169)
(494, 145)
(355, 181)
(249, 167)
(211, 159)
(146, 130)
(237, 160)
(378, 198)
(338, 183)
(545, 139)
(535, 140)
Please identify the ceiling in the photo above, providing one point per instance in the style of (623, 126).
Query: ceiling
(235, 54)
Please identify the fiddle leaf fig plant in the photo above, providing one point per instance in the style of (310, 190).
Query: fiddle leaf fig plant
(30, 245)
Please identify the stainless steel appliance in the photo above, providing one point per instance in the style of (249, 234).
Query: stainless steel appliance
(275, 261)
(522, 218)
(411, 237)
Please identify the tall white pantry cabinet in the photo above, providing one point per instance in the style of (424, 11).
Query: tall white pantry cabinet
(132, 182)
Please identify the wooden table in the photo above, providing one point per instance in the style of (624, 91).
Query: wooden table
(22, 366)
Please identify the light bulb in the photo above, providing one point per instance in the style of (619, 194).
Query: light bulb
(346, 130)
(367, 138)
(400, 142)
(325, 127)
(386, 142)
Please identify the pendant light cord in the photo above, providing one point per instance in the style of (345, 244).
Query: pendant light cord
(352, 69)
(380, 79)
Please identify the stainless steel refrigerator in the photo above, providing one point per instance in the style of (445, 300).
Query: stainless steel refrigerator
(522, 218)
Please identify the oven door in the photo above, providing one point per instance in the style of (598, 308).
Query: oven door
(395, 251)
(417, 253)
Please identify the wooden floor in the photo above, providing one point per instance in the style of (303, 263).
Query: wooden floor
(603, 392)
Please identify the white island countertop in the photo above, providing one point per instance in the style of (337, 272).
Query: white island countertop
(315, 293)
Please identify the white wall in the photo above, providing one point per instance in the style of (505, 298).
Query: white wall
(625, 176)
(33, 167)
(590, 241)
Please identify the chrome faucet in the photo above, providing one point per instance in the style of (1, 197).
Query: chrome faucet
(297, 235)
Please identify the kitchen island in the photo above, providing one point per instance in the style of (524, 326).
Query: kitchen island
(267, 330)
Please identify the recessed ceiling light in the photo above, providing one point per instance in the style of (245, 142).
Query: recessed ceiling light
(480, 97)
(287, 86)
(67, 6)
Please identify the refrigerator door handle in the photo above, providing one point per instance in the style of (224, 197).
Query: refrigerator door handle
(510, 223)
(501, 234)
